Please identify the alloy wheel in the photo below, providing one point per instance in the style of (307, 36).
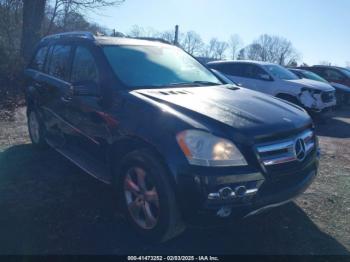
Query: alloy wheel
(141, 197)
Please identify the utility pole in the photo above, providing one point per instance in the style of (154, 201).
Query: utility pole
(176, 39)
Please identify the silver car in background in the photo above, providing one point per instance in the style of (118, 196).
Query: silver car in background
(275, 80)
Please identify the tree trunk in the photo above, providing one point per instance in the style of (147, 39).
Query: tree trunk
(33, 15)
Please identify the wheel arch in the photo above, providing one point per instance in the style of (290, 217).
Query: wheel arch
(289, 97)
(128, 144)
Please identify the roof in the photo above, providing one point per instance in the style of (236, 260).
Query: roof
(105, 40)
(240, 61)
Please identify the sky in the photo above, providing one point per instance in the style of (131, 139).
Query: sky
(318, 29)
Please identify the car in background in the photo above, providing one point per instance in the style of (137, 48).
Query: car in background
(338, 77)
(275, 80)
(222, 77)
(342, 92)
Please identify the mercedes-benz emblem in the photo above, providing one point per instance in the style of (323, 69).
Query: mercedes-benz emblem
(300, 149)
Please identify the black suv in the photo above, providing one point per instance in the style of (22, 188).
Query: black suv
(165, 132)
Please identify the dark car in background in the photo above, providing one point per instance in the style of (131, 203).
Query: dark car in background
(338, 77)
(170, 137)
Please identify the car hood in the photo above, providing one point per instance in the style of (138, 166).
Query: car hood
(248, 112)
(312, 84)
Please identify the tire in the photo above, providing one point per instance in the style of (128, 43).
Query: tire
(36, 129)
(150, 208)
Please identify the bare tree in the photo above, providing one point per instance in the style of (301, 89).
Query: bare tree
(192, 43)
(325, 62)
(139, 31)
(168, 35)
(273, 49)
(234, 43)
(241, 54)
(60, 11)
(220, 49)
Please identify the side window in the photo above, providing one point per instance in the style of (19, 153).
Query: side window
(84, 66)
(39, 59)
(319, 71)
(59, 61)
(224, 68)
(255, 72)
(231, 69)
(333, 74)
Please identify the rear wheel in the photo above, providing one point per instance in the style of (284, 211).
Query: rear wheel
(36, 129)
(148, 199)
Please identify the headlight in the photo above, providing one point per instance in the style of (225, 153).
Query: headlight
(204, 149)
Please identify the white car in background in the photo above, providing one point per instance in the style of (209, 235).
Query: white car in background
(275, 80)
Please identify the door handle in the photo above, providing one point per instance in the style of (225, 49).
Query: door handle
(66, 99)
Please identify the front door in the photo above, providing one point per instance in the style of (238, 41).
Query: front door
(84, 111)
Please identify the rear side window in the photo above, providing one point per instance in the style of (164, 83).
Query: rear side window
(333, 74)
(84, 66)
(39, 59)
(230, 69)
(317, 70)
(59, 61)
(252, 71)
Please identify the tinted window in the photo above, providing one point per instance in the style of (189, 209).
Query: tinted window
(252, 71)
(59, 61)
(316, 70)
(84, 66)
(230, 69)
(333, 74)
(280, 72)
(39, 59)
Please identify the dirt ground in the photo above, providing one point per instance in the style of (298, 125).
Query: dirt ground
(49, 206)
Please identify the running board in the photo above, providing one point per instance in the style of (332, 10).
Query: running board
(84, 161)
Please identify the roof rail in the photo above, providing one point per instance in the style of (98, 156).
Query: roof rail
(155, 39)
(76, 34)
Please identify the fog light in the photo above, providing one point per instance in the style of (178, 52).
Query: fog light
(225, 192)
(240, 191)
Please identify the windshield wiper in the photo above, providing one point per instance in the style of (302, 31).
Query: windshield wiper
(207, 83)
(186, 84)
(194, 83)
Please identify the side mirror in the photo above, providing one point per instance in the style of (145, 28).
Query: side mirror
(265, 77)
(86, 88)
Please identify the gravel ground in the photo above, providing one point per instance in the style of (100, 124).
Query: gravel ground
(49, 206)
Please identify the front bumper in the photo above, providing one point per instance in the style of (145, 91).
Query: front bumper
(318, 103)
(201, 192)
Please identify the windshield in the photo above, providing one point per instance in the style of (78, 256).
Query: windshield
(157, 66)
(280, 72)
(345, 71)
(313, 76)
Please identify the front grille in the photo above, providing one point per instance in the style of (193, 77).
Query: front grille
(327, 96)
(290, 152)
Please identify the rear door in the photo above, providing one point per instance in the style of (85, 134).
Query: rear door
(35, 80)
(56, 74)
(257, 78)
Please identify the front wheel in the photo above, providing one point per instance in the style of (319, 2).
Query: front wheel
(148, 199)
(36, 129)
